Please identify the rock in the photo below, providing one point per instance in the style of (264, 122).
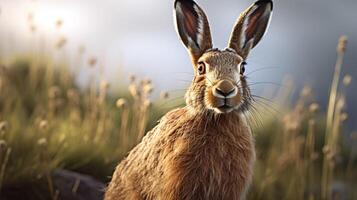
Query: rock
(68, 185)
(74, 186)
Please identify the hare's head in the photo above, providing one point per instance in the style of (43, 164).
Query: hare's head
(219, 83)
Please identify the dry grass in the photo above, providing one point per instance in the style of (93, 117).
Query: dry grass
(47, 122)
(50, 125)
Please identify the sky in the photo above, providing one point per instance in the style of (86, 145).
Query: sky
(138, 37)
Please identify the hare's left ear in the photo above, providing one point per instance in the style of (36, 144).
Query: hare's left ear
(193, 28)
(251, 27)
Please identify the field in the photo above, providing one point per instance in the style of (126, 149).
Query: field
(48, 122)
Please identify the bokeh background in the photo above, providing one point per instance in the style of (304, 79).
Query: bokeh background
(138, 37)
(81, 82)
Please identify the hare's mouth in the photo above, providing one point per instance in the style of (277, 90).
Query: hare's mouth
(224, 109)
(223, 103)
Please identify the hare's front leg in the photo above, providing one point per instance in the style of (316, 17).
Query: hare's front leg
(121, 188)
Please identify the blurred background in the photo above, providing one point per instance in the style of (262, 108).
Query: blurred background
(138, 37)
(68, 63)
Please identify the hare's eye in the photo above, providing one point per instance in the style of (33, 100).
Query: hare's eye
(201, 68)
(242, 67)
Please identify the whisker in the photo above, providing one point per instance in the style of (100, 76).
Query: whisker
(270, 110)
(176, 90)
(261, 83)
(266, 102)
(185, 81)
(263, 98)
(171, 100)
(262, 69)
(209, 80)
(255, 116)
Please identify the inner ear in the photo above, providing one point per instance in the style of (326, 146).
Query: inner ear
(192, 25)
(256, 25)
(251, 27)
(193, 28)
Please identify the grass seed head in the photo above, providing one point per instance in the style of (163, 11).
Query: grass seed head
(61, 42)
(331, 155)
(54, 92)
(306, 91)
(347, 80)
(133, 90)
(104, 85)
(42, 142)
(164, 95)
(344, 117)
(341, 47)
(147, 103)
(59, 23)
(326, 149)
(291, 123)
(121, 103)
(341, 102)
(148, 88)
(314, 108)
(4, 125)
(43, 125)
(92, 61)
(146, 81)
(132, 79)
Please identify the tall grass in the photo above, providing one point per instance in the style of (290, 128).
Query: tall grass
(48, 126)
(335, 106)
(48, 122)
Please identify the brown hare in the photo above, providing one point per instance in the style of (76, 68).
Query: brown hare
(204, 150)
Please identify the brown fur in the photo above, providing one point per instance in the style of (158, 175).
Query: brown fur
(206, 149)
(188, 157)
(193, 153)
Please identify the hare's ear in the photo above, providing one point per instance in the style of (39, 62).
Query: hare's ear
(193, 28)
(251, 27)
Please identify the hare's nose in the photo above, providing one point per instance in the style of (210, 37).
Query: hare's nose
(224, 89)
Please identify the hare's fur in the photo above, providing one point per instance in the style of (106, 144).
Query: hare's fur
(188, 157)
(206, 149)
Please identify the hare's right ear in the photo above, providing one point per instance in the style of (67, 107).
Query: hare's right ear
(193, 28)
(251, 27)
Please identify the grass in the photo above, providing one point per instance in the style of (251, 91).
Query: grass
(48, 122)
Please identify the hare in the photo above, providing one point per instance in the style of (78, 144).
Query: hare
(204, 150)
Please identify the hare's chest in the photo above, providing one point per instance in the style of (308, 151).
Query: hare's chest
(216, 167)
(223, 158)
